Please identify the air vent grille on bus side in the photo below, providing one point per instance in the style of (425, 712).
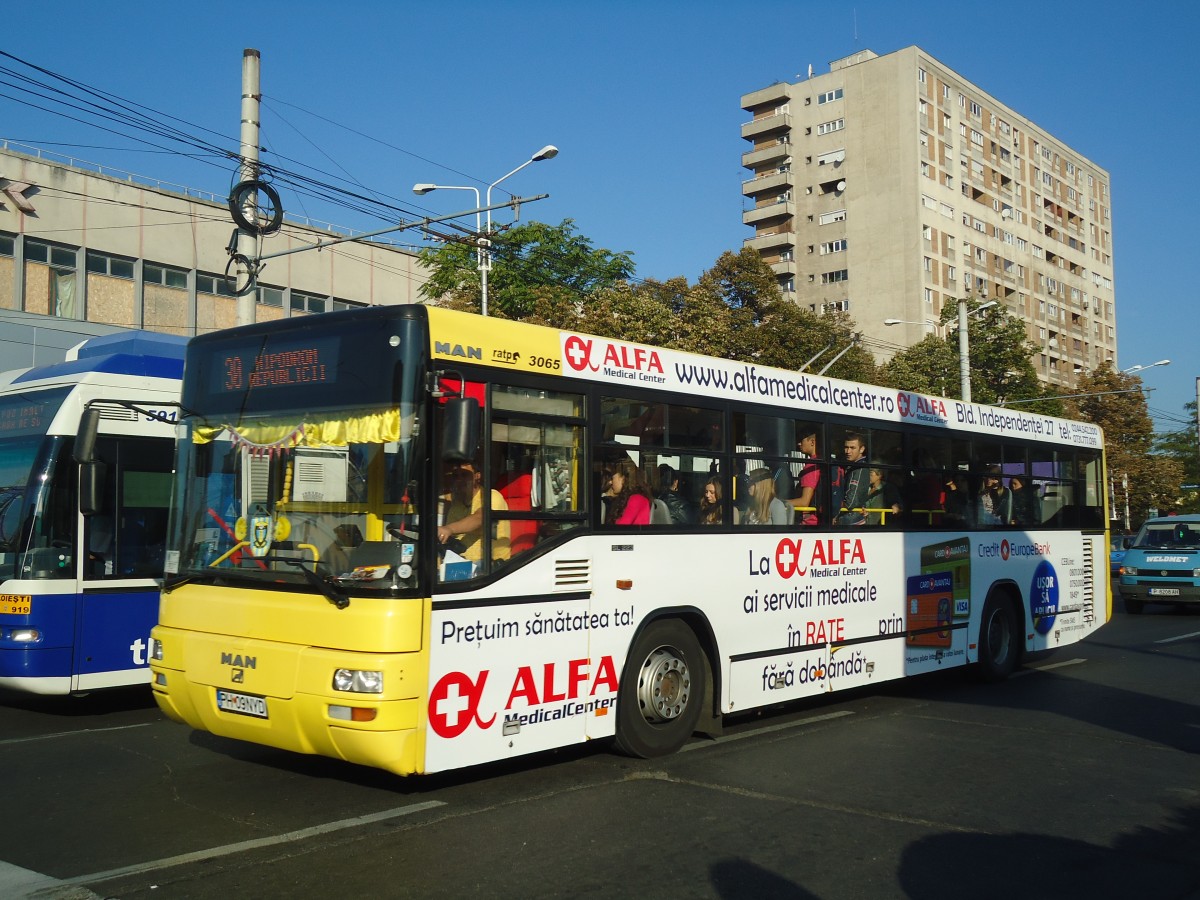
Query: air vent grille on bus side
(1089, 583)
(572, 575)
(116, 413)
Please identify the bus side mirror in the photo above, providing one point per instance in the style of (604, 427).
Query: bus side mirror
(85, 440)
(460, 429)
(91, 487)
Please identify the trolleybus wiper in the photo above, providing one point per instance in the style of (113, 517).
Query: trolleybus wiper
(332, 592)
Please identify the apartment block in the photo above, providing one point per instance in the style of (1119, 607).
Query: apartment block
(83, 247)
(891, 186)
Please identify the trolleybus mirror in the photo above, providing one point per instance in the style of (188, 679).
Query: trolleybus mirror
(460, 429)
(85, 440)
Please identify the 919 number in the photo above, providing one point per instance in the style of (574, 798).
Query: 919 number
(545, 362)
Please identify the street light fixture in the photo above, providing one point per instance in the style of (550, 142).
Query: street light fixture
(484, 253)
(1132, 369)
(964, 347)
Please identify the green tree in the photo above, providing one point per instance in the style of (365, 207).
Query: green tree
(1114, 401)
(1001, 366)
(1183, 447)
(531, 264)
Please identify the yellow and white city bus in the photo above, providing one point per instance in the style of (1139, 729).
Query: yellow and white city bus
(395, 539)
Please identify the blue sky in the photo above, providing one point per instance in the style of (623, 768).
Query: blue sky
(642, 98)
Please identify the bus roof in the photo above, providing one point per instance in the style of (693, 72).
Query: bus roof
(141, 353)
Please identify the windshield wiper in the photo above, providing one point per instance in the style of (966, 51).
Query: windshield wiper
(333, 593)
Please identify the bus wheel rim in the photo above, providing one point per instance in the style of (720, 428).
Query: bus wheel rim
(664, 685)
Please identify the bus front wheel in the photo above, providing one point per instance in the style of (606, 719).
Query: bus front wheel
(999, 640)
(658, 705)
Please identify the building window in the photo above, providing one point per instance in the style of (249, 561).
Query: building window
(829, 96)
(58, 257)
(921, 75)
(103, 264)
(269, 296)
(838, 215)
(929, 296)
(830, 158)
(837, 246)
(835, 276)
(152, 273)
(832, 126)
(213, 284)
(307, 303)
(8, 245)
(975, 110)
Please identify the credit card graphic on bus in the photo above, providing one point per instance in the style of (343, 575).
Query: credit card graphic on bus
(928, 606)
(952, 557)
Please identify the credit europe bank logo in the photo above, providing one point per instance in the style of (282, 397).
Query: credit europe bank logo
(1007, 550)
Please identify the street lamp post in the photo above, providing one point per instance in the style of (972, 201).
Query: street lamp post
(1132, 369)
(547, 152)
(964, 344)
(483, 253)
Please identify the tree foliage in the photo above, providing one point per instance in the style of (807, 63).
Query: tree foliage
(531, 262)
(1116, 403)
(1000, 363)
(1183, 447)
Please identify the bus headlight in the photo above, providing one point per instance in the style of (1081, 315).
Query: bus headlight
(1129, 570)
(358, 681)
(156, 650)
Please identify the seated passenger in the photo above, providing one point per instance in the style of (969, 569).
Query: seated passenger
(679, 507)
(710, 506)
(629, 499)
(764, 507)
(883, 498)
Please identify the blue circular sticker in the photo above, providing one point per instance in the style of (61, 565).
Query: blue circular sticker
(1043, 597)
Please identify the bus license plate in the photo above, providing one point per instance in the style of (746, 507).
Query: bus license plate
(243, 704)
(1165, 592)
(16, 604)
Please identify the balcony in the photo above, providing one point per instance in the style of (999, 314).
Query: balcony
(765, 125)
(768, 241)
(776, 93)
(775, 153)
(776, 182)
(784, 268)
(781, 209)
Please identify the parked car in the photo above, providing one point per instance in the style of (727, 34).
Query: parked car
(1162, 564)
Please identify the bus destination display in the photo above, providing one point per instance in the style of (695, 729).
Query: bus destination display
(311, 363)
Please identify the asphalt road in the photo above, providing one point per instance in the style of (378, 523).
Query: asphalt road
(1080, 776)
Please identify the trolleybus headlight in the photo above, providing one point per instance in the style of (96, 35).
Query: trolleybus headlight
(358, 681)
(156, 650)
(1129, 570)
(25, 635)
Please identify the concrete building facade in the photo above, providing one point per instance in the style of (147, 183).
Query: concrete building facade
(82, 249)
(891, 186)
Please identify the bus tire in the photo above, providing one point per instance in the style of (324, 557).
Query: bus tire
(661, 692)
(999, 640)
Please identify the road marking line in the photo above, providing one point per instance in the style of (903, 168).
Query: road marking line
(1182, 637)
(766, 729)
(58, 734)
(257, 843)
(18, 882)
(1029, 670)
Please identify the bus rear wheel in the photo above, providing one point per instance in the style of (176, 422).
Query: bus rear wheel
(999, 640)
(658, 705)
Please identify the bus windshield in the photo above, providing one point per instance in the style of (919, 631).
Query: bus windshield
(286, 481)
(36, 529)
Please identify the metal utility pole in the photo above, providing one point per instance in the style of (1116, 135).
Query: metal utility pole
(248, 171)
(964, 352)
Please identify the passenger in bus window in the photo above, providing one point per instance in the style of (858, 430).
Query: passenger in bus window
(629, 503)
(464, 515)
(710, 506)
(855, 480)
(995, 500)
(679, 506)
(764, 507)
(883, 498)
(1026, 505)
(806, 501)
(956, 501)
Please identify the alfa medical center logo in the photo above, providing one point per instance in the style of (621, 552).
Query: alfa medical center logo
(585, 354)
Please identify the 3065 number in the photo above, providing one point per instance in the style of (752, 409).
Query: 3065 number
(545, 362)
